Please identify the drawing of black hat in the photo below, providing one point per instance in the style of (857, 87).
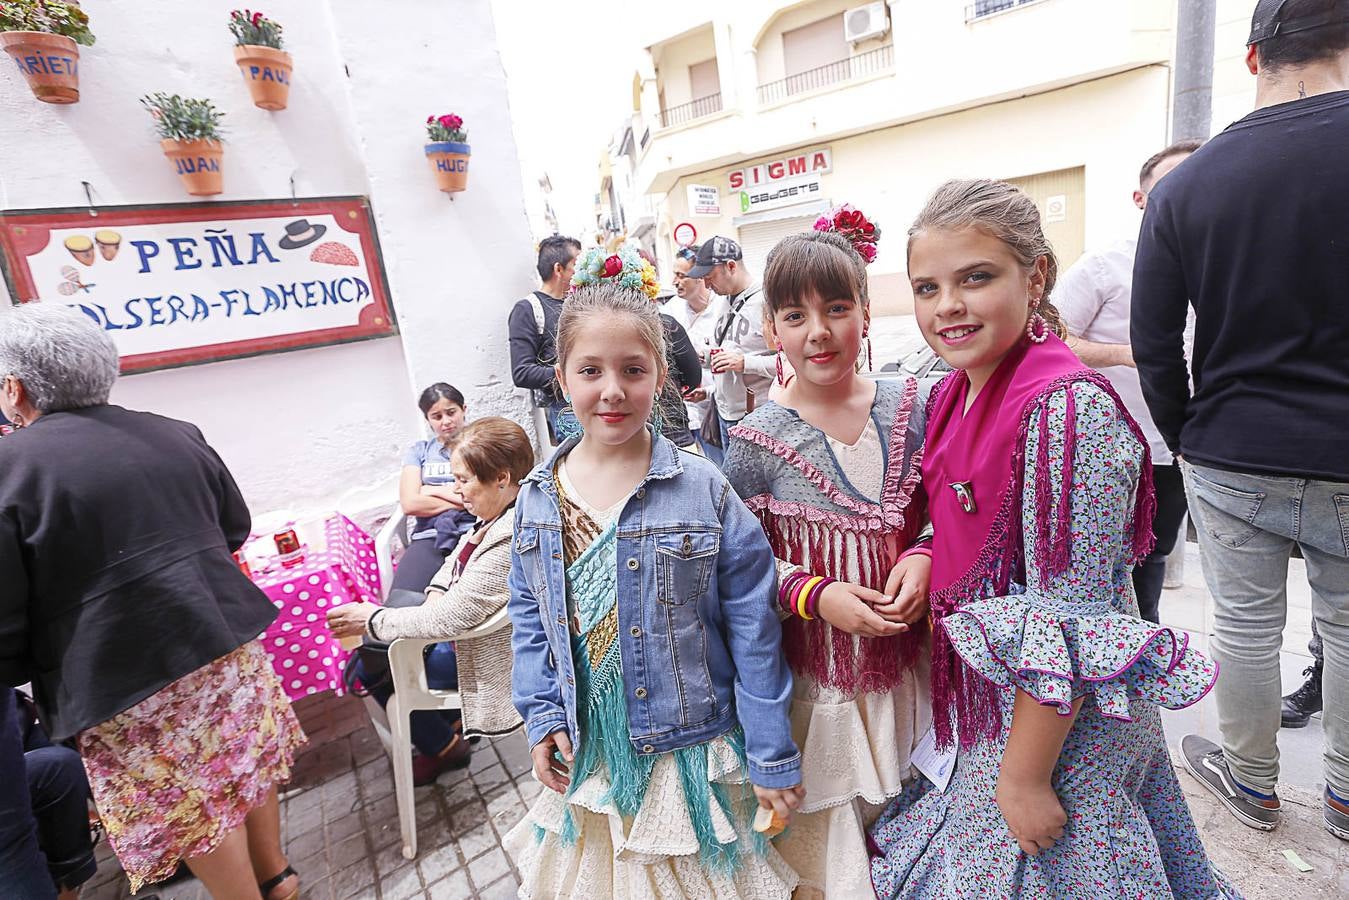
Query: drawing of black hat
(300, 232)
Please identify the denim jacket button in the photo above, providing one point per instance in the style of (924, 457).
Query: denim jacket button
(640, 693)
(647, 748)
(635, 631)
(633, 564)
(641, 492)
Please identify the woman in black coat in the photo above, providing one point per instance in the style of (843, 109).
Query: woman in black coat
(124, 608)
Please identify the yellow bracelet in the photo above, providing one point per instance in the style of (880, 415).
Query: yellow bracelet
(799, 601)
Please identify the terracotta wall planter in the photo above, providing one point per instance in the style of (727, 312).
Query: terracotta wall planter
(50, 62)
(198, 164)
(267, 71)
(449, 163)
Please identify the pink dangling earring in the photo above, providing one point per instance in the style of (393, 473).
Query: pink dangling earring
(778, 357)
(1040, 335)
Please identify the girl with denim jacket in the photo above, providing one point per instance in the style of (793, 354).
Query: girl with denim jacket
(831, 469)
(647, 657)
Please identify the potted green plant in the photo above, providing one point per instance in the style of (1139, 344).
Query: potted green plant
(42, 37)
(265, 66)
(189, 129)
(448, 152)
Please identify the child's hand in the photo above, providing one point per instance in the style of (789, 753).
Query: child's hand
(849, 607)
(552, 772)
(782, 801)
(1033, 813)
(907, 584)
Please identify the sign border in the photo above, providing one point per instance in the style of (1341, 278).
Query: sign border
(691, 227)
(378, 320)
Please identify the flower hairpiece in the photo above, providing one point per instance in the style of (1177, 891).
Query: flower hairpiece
(850, 222)
(626, 267)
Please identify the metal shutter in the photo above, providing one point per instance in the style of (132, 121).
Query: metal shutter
(757, 239)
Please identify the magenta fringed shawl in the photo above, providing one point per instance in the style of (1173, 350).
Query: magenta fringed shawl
(981, 553)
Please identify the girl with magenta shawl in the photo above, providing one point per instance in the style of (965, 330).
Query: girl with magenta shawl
(1044, 679)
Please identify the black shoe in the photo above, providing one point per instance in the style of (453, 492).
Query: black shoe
(1298, 706)
(1205, 761)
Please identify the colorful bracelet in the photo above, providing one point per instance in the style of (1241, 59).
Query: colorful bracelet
(787, 592)
(802, 594)
(813, 600)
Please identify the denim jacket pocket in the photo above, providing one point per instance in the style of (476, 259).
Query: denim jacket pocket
(684, 562)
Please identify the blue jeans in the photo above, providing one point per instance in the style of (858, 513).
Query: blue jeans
(23, 868)
(1247, 525)
(432, 730)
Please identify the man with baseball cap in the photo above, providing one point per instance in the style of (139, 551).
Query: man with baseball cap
(1253, 232)
(739, 365)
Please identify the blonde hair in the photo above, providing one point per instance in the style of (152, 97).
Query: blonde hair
(606, 301)
(1004, 212)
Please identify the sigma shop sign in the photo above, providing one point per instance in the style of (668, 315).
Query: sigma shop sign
(781, 182)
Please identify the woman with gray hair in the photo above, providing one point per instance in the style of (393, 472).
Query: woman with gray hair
(123, 607)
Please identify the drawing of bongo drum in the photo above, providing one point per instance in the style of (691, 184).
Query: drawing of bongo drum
(81, 248)
(109, 242)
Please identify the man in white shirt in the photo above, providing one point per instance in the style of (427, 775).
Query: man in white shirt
(741, 370)
(697, 309)
(1093, 297)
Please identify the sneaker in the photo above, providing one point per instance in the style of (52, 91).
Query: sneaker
(1335, 815)
(1298, 706)
(426, 769)
(1204, 759)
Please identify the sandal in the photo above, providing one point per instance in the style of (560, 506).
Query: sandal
(271, 884)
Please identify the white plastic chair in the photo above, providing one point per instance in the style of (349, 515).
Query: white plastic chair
(392, 535)
(410, 694)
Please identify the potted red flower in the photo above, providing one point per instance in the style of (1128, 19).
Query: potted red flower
(190, 133)
(42, 37)
(448, 151)
(265, 66)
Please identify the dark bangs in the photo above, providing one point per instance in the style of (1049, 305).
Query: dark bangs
(813, 262)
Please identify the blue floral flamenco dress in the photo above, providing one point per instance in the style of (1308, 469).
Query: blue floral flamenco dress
(1063, 627)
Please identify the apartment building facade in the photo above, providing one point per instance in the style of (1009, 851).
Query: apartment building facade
(752, 123)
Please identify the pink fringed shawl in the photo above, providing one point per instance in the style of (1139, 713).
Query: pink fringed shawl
(824, 527)
(981, 553)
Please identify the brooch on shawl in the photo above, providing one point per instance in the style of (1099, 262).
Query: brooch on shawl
(964, 495)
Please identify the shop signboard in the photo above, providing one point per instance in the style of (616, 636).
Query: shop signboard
(190, 283)
(786, 193)
(704, 200)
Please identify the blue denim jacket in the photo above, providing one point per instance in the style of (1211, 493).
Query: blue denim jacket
(700, 643)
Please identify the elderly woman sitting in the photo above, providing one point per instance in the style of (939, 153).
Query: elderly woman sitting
(123, 607)
(490, 458)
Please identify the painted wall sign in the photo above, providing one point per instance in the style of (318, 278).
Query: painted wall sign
(811, 162)
(802, 190)
(704, 200)
(191, 283)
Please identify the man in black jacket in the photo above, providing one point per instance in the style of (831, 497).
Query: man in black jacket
(1253, 232)
(533, 326)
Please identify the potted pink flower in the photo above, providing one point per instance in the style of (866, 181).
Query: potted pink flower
(265, 66)
(42, 37)
(447, 151)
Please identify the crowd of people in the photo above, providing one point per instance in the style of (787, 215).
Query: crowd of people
(778, 628)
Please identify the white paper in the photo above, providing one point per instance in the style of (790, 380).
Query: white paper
(936, 765)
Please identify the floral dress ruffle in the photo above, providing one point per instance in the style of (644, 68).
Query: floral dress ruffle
(1129, 831)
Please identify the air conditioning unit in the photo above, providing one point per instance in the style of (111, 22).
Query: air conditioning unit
(862, 23)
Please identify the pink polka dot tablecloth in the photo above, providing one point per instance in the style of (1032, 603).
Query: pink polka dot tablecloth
(307, 658)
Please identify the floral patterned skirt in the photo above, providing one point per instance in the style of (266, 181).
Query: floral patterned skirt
(177, 772)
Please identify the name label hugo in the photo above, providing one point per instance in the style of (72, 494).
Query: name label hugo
(451, 165)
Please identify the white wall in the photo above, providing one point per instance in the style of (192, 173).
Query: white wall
(309, 429)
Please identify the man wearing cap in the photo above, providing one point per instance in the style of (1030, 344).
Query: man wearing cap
(740, 368)
(1253, 232)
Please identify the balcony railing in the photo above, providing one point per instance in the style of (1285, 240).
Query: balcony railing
(687, 112)
(981, 8)
(870, 63)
